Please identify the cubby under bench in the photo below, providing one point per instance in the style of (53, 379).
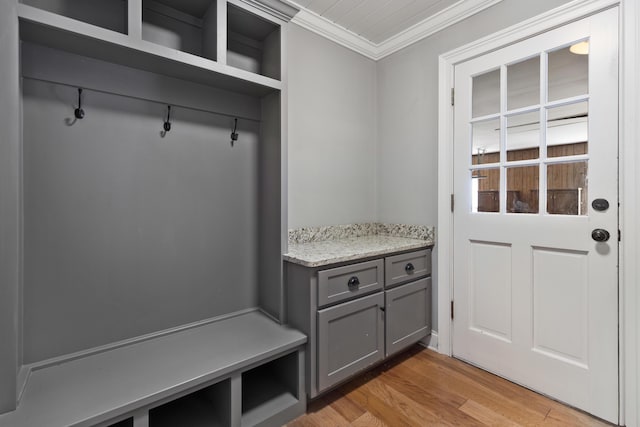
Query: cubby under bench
(243, 370)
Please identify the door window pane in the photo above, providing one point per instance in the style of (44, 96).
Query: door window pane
(568, 130)
(486, 94)
(523, 136)
(568, 73)
(485, 190)
(485, 142)
(523, 83)
(567, 188)
(522, 189)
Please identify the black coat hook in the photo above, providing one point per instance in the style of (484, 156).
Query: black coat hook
(167, 124)
(234, 134)
(79, 112)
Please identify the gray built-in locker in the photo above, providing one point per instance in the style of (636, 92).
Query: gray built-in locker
(143, 175)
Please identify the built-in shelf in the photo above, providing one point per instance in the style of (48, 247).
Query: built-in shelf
(209, 407)
(181, 26)
(253, 43)
(84, 38)
(269, 389)
(108, 14)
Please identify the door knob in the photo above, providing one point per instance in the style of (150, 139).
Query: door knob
(600, 235)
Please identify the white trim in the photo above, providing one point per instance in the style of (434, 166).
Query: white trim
(441, 20)
(430, 341)
(322, 26)
(437, 22)
(630, 209)
(433, 341)
(630, 132)
(279, 9)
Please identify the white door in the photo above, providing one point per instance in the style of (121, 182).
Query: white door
(535, 163)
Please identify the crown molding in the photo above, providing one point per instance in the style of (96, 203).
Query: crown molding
(277, 8)
(322, 26)
(376, 51)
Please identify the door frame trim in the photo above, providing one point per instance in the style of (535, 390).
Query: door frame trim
(629, 108)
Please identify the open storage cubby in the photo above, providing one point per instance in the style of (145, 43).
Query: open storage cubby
(253, 43)
(189, 27)
(109, 14)
(269, 389)
(210, 406)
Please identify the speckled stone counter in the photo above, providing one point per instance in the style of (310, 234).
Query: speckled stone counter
(316, 247)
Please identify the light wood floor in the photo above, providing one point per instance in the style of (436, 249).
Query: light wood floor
(424, 388)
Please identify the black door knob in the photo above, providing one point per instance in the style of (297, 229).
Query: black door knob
(409, 268)
(600, 235)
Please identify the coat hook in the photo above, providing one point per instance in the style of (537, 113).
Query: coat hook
(167, 124)
(79, 112)
(234, 134)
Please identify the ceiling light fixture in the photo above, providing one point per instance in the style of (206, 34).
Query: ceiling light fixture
(581, 48)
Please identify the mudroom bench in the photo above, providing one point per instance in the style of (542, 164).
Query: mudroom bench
(243, 370)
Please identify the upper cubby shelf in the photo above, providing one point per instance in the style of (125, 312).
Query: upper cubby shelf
(230, 44)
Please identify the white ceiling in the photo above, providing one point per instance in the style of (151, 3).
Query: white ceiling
(375, 20)
(377, 28)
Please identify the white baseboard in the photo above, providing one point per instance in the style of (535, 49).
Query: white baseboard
(431, 341)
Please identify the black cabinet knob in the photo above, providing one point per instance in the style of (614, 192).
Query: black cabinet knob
(409, 268)
(600, 235)
(353, 282)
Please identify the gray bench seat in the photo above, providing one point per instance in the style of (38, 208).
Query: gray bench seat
(104, 386)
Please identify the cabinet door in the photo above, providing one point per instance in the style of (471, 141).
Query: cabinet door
(408, 319)
(350, 338)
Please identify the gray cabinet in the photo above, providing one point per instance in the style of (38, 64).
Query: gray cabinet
(350, 326)
(408, 314)
(350, 338)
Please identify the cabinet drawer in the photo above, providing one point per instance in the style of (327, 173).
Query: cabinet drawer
(404, 267)
(350, 281)
(408, 314)
(350, 338)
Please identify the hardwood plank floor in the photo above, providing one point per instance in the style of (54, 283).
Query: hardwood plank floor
(424, 388)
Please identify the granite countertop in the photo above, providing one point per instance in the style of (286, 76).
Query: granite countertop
(329, 245)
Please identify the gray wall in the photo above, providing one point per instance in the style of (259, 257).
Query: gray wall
(332, 132)
(9, 205)
(407, 149)
(128, 232)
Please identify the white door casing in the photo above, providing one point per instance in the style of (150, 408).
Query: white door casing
(536, 298)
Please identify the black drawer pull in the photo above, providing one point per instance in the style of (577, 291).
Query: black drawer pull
(409, 268)
(353, 282)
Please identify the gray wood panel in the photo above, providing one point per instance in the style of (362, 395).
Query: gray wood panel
(270, 205)
(333, 284)
(350, 338)
(301, 284)
(408, 315)
(405, 267)
(120, 381)
(127, 232)
(10, 212)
